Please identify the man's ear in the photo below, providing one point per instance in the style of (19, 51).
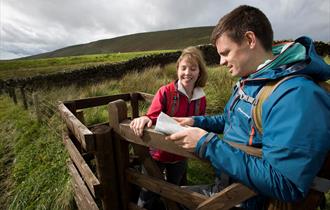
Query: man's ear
(251, 39)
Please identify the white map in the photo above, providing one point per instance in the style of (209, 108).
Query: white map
(167, 125)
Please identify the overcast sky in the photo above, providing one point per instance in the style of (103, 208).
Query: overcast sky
(35, 26)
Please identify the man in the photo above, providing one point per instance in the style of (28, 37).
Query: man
(295, 118)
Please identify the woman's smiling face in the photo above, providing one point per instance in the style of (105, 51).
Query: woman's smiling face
(188, 71)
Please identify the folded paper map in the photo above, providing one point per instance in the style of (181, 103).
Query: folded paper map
(167, 125)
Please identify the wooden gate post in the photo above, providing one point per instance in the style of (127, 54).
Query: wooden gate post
(36, 106)
(13, 94)
(106, 167)
(9, 91)
(117, 113)
(135, 104)
(23, 97)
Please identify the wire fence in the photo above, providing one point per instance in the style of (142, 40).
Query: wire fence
(35, 103)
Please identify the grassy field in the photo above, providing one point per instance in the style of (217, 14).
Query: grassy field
(32, 161)
(32, 67)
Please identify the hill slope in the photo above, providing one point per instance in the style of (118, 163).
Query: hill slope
(159, 40)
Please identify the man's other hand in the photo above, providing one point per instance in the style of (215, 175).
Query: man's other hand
(184, 121)
(188, 138)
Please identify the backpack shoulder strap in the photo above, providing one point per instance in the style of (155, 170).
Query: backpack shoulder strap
(197, 107)
(324, 85)
(262, 96)
(172, 99)
(265, 92)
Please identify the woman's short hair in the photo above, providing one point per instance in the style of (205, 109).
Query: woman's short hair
(195, 54)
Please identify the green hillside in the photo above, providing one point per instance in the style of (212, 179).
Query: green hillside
(159, 40)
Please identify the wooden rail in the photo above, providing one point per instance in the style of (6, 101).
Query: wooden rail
(87, 174)
(80, 131)
(82, 196)
(152, 138)
(165, 189)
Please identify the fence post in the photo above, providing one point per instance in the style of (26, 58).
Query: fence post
(9, 92)
(117, 113)
(6, 89)
(13, 94)
(106, 167)
(23, 97)
(135, 105)
(36, 106)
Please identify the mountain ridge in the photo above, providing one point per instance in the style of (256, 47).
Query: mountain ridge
(146, 41)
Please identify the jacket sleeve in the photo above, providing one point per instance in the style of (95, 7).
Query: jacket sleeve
(156, 105)
(295, 143)
(210, 123)
(214, 123)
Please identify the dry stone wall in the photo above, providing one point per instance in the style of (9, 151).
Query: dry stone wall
(103, 72)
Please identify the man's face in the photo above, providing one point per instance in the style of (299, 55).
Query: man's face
(237, 57)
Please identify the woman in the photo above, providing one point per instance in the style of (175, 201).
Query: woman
(181, 98)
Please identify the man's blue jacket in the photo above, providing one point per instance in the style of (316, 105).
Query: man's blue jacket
(296, 126)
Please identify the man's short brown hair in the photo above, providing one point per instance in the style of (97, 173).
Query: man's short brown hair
(242, 19)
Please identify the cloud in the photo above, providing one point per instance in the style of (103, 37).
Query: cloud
(34, 26)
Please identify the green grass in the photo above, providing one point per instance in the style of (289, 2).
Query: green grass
(32, 160)
(32, 67)
(8, 131)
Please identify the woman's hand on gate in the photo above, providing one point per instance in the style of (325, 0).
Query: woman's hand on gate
(138, 124)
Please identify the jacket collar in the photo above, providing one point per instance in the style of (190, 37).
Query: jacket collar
(286, 53)
(197, 93)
